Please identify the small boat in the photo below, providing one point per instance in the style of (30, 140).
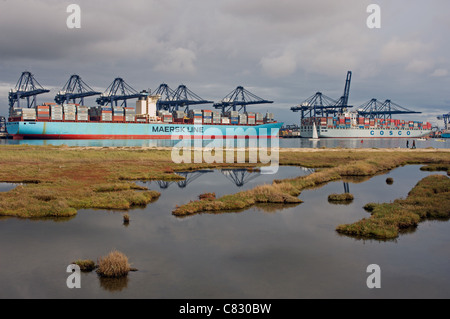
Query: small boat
(421, 139)
(315, 136)
(439, 140)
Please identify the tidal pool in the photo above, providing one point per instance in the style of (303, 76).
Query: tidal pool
(267, 251)
(5, 187)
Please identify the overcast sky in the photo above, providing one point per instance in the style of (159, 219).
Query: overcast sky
(284, 50)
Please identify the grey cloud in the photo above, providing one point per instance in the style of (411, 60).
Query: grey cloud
(285, 50)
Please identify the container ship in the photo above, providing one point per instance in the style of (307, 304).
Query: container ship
(323, 117)
(74, 121)
(156, 116)
(446, 130)
(351, 125)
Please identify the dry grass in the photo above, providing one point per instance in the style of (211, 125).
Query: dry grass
(207, 196)
(346, 197)
(275, 194)
(430, 198)
(85, 265)
(114, 265)
(334, 164)
(63, 179)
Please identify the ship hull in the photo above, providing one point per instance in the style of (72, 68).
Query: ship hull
(100, 130)
(366, 133)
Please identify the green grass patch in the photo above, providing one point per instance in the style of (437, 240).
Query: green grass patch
(429, 199)
(60, 179)
(346, 197)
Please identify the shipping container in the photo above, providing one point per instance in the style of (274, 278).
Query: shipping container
(242, 119)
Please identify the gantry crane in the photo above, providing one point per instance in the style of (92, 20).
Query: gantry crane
(117, 91)
(26, 88)
(239, 97)
(74, 89)
(182, 97)
(320, 105)
(375, 109)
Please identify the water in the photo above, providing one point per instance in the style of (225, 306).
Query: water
(283, 142)
(262, 252)
(4, 187)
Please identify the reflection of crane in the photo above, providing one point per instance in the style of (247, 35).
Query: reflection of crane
(190, 177)
(75, 88)
(240, 176)
(346, 188)
(27, 87)
(163, 184)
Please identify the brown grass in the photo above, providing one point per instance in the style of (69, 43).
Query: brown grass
(65, 179)
(207, 196)
(114, 265)
(85, 265)
(334, 165)
(430, 198)
(340, 197)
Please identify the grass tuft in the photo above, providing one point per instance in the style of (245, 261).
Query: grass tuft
(346, 197)
(86, 265)
(114, 265)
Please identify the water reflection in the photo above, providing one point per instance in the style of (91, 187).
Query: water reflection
(282, 142)
(233, 255)
(189, 178)
(238, 177)
(113, 284)
(346, 188)
(5, 187)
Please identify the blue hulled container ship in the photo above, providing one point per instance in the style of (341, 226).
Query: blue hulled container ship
(74, 121)
(155, 116)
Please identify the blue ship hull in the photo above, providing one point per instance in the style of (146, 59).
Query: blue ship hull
(101, 130)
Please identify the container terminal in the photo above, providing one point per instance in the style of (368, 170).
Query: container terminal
(68, 117)
(324, 117)
(155, 116)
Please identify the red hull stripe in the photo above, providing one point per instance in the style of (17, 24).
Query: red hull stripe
(125, 137)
